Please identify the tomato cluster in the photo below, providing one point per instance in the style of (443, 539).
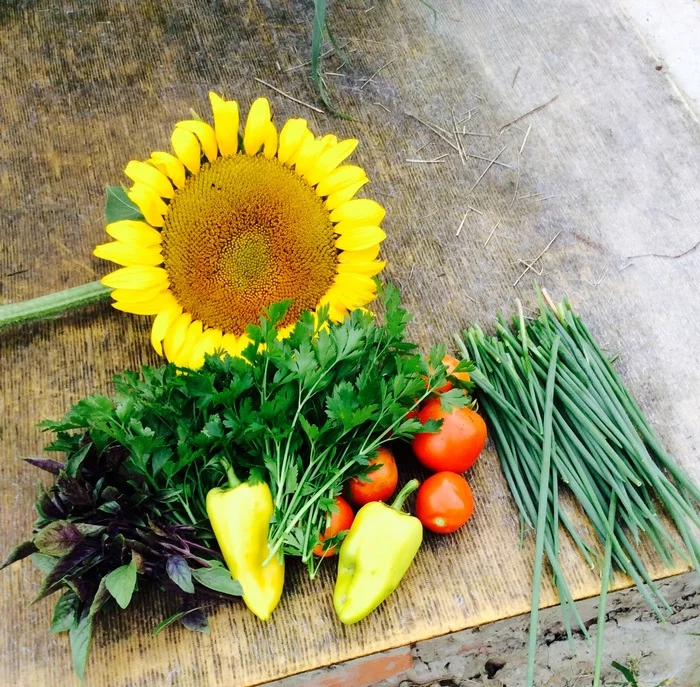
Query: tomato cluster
(445, 501)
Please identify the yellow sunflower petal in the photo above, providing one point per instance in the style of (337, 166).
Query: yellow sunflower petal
(360, 238)
(138, 295)
(355, 290)
(162, 323)
(175, 336)
(230, 343)
(134, 231)
(291, 137)
(226, 120)
(259, 130)
(136, 277)
(336, 310)
(192, 337)
(330, 159)
(338, 198)
(187, 148)
(152, 307)
(307, 136)
(149, 202)
(285, 332)
(170, 166)
(128, 254)
(208, 343)
(205, 134)
(361, 211)
(328, 141)
(366, 255)
(307, 155)
(339, 178)
(367, 268)
(150, 176)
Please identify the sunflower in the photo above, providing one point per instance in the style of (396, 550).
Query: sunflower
(231, 225)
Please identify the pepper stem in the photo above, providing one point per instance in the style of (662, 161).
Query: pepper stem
(44, 307)
(408, 489)
(233, 480)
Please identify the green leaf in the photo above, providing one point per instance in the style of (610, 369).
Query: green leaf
(179, 572)
(75, 461)
(118, 206)
(628, 674)
(219, 579)
(159, 459)
(44, 562)
(168, 621)
(65, 613)
(454, 398)
(58, 538)
(80, 638)
(121, 583)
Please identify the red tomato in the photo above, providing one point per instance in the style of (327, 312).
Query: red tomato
(458, 443)
(444, 502)
(340, 520)
(450, 363)
(381, 483)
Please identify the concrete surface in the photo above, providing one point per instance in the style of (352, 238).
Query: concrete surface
(671, 30)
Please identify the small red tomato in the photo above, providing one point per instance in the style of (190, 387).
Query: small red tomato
(380, 484)
(444, 502)
(340, 520)
(457, 444)
(450, 363)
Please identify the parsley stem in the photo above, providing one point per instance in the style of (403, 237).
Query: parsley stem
(274, 548)
(54, 304)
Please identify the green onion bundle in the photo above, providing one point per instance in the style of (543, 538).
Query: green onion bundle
(561, 415)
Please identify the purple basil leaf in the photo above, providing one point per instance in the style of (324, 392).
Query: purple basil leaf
(195, 620)
(58, 538)
(52, 466)
(179, 572)
(102, 596)
(112, 458)
(19, 552)
(64, 566)
(73, 491)
(85, 589)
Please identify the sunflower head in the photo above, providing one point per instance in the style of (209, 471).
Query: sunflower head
(231, 224)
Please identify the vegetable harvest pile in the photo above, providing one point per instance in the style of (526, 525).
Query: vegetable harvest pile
(243, 462)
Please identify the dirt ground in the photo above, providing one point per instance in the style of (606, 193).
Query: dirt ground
(654, 654)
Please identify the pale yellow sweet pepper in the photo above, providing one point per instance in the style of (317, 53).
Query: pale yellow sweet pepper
(240, 517)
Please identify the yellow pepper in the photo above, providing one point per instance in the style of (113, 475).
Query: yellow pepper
(375, 555)
(240, 517)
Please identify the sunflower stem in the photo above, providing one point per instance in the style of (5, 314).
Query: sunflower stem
(54, 304)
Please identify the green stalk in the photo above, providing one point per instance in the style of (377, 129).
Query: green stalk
(542, 513)
(53, 305)
(607, 569)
